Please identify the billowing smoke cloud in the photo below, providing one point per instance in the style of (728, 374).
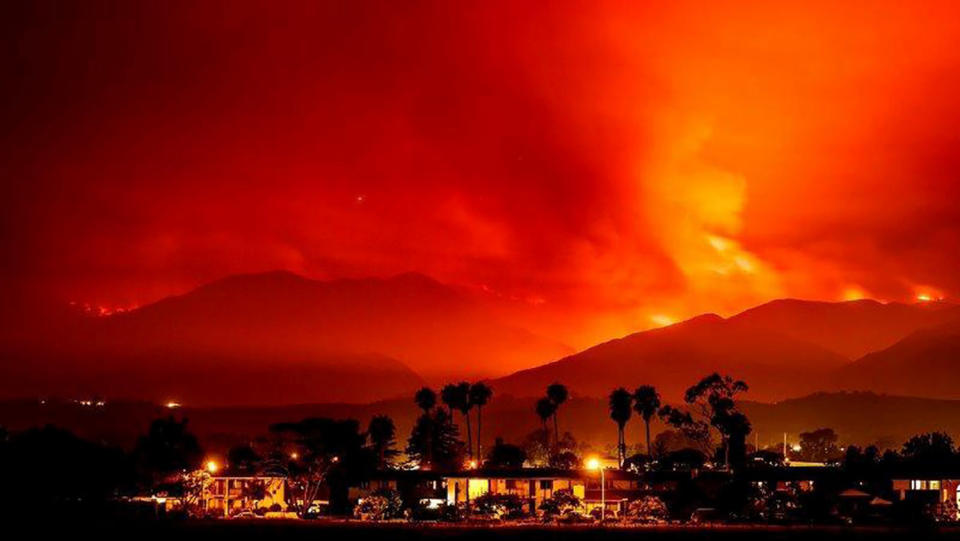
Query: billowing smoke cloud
(608, 166)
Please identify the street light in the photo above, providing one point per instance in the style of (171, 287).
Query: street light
(594, 464)
(212, 466)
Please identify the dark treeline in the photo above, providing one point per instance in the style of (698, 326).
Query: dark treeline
(321, 458)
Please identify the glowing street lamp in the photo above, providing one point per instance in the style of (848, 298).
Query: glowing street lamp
(593, 463)
(212, 466)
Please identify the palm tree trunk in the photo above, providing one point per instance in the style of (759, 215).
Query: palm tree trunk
(620, 445)
(556, 431)
(469, 435)
(726, 452)
(479, 430)
(649, 450)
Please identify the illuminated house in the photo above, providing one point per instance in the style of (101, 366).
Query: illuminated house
(929, 487)
(422, 486)
(229, 495)
(538, 484)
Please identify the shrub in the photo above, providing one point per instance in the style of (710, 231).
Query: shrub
(381, 505)
(561, 503)
(648, 509)
(450, 513)
(499, 505)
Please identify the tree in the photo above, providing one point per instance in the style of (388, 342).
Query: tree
(545, 409)
(450, 397)
(819, 445)
(565, 460)
(43, 468)
(425, 399)
(558, 394)
(646, 402)
(713, 397)
(456, 396)
(505, 455)
(167, 448)
(536, 445)
(244, 459)
(620, 403)
(434, 442)
(934, 449)
(330, 452)
(480, 394)
(382, 433)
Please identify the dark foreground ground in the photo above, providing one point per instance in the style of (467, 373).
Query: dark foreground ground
(262, 530)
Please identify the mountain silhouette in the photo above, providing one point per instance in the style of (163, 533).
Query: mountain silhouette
(925, 363)
(672, 358)
(852, 328)
(244, 331)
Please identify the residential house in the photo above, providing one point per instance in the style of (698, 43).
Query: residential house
(426, 487)
(935, 487)
(229, 495)
(535, 485)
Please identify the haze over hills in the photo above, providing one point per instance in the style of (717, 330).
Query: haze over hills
(279, 338)
(249, 336)
(925, 363)
(852, 328)
(672, 358)
(785, 348)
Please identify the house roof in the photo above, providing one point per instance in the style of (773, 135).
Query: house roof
(539, 473)
(407, 475)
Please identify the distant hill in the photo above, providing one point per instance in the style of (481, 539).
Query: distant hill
(276, 338)
(852, 328)
(925, 363)
(776, 365)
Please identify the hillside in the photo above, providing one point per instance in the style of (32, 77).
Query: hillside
(925, 363)
(851, 329)
(672, 358)
(274, 338)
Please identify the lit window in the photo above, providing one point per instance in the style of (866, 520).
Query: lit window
(934, 485)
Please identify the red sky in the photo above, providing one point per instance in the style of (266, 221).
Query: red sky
(614, 164)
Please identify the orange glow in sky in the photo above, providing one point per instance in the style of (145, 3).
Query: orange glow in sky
(587, 165)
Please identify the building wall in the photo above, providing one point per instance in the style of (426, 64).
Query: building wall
(231, 494)
(460, 489)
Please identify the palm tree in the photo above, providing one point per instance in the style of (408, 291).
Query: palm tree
(426, 399)
(558, 394)
(620, 406)
(480, 394)
(464, 405)
(450, 396)
(382, 433)
(545, 409)
(646, 402)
